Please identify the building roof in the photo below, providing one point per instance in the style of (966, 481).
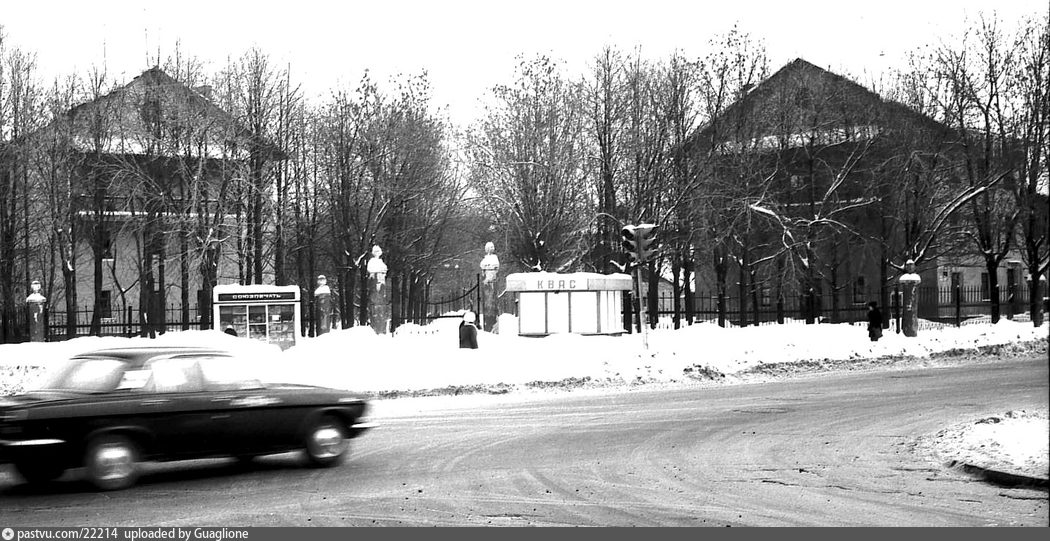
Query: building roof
(801, 96)
(173, 101)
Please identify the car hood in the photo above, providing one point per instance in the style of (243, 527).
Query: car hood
(36, 397)
(301, 388)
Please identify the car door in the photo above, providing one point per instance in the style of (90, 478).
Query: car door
(174, 408)
(254, 417)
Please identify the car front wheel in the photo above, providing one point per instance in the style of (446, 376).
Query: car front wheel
(326, 442)
(112, 462)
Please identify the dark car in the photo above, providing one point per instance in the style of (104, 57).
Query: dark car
(111, 409)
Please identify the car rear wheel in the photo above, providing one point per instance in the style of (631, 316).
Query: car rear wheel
(112, 462)
(39, 472)
(326, 442)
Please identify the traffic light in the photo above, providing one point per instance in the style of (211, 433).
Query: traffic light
(638, 241)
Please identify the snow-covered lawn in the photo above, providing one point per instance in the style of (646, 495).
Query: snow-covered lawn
(426, 358)
(420, 358)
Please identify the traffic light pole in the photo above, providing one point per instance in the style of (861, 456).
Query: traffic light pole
(641, 308)
(637, 241)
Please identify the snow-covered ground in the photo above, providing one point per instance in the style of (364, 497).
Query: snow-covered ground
(428, 358)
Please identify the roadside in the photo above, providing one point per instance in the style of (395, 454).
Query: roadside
(1009, 449)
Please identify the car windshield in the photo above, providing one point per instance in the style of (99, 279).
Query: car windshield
(85, 375)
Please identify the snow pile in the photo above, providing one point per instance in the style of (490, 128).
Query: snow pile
(428, 357)
(1016, 442)
(420, 358)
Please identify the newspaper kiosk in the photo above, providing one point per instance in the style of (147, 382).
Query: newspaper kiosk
(580, 303)
(261, 312)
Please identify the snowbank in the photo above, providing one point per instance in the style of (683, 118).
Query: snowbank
(422, 358)
(1015, 442)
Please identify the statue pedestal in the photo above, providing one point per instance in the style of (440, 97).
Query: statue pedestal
(910, 318)
(35, 308)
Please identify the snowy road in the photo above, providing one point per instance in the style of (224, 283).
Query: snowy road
(828, 450)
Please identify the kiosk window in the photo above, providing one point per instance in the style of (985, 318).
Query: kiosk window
(282, 324)
(234, 316)
(257, 322)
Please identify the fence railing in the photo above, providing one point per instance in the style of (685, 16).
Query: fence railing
(125, 321)
(938, 306)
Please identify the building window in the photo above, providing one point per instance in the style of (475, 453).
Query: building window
(766, 296)
(107, 246)
(986, 288)
(859, 290)
(105, 304)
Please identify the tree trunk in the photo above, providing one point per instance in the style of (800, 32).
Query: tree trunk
(184, 281)
(69, 278)
(362, 316)
(742, 289)
(690, 302)
(676, 272)
(753, 286)
(993, 288)
(721, 273)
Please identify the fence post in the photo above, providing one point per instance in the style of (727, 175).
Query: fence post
(897, 307)
(780, 310)
(1011, 291)
(477, 293)
(958, 306)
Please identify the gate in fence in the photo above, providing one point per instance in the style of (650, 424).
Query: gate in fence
(444, 307)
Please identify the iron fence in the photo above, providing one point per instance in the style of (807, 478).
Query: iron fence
(126, 321)
(937, 307)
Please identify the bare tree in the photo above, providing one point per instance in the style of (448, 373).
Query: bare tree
(527, 157)
(19, 116)
(55, 162)
(1029, 128)
(728, 147)
(976, 94)
(603, 91)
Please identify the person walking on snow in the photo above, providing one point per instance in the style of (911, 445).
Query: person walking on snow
(468, 333)
(874, 321)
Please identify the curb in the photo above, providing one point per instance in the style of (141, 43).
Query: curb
(999, 478)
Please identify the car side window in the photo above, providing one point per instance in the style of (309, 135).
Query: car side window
(174, 375)
(227, 374)
(134, 380)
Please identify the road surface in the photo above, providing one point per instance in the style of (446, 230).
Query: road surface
(823, 450)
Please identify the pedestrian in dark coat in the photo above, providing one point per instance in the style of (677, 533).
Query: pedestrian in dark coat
(874, 321)
(468, 333)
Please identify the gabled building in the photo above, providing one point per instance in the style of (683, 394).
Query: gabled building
(155, 176)
(829, 187)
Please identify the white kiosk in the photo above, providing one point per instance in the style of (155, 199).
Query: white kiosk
(581, 302)
(267, 313)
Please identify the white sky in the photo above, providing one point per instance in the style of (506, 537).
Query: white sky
(467, 46)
